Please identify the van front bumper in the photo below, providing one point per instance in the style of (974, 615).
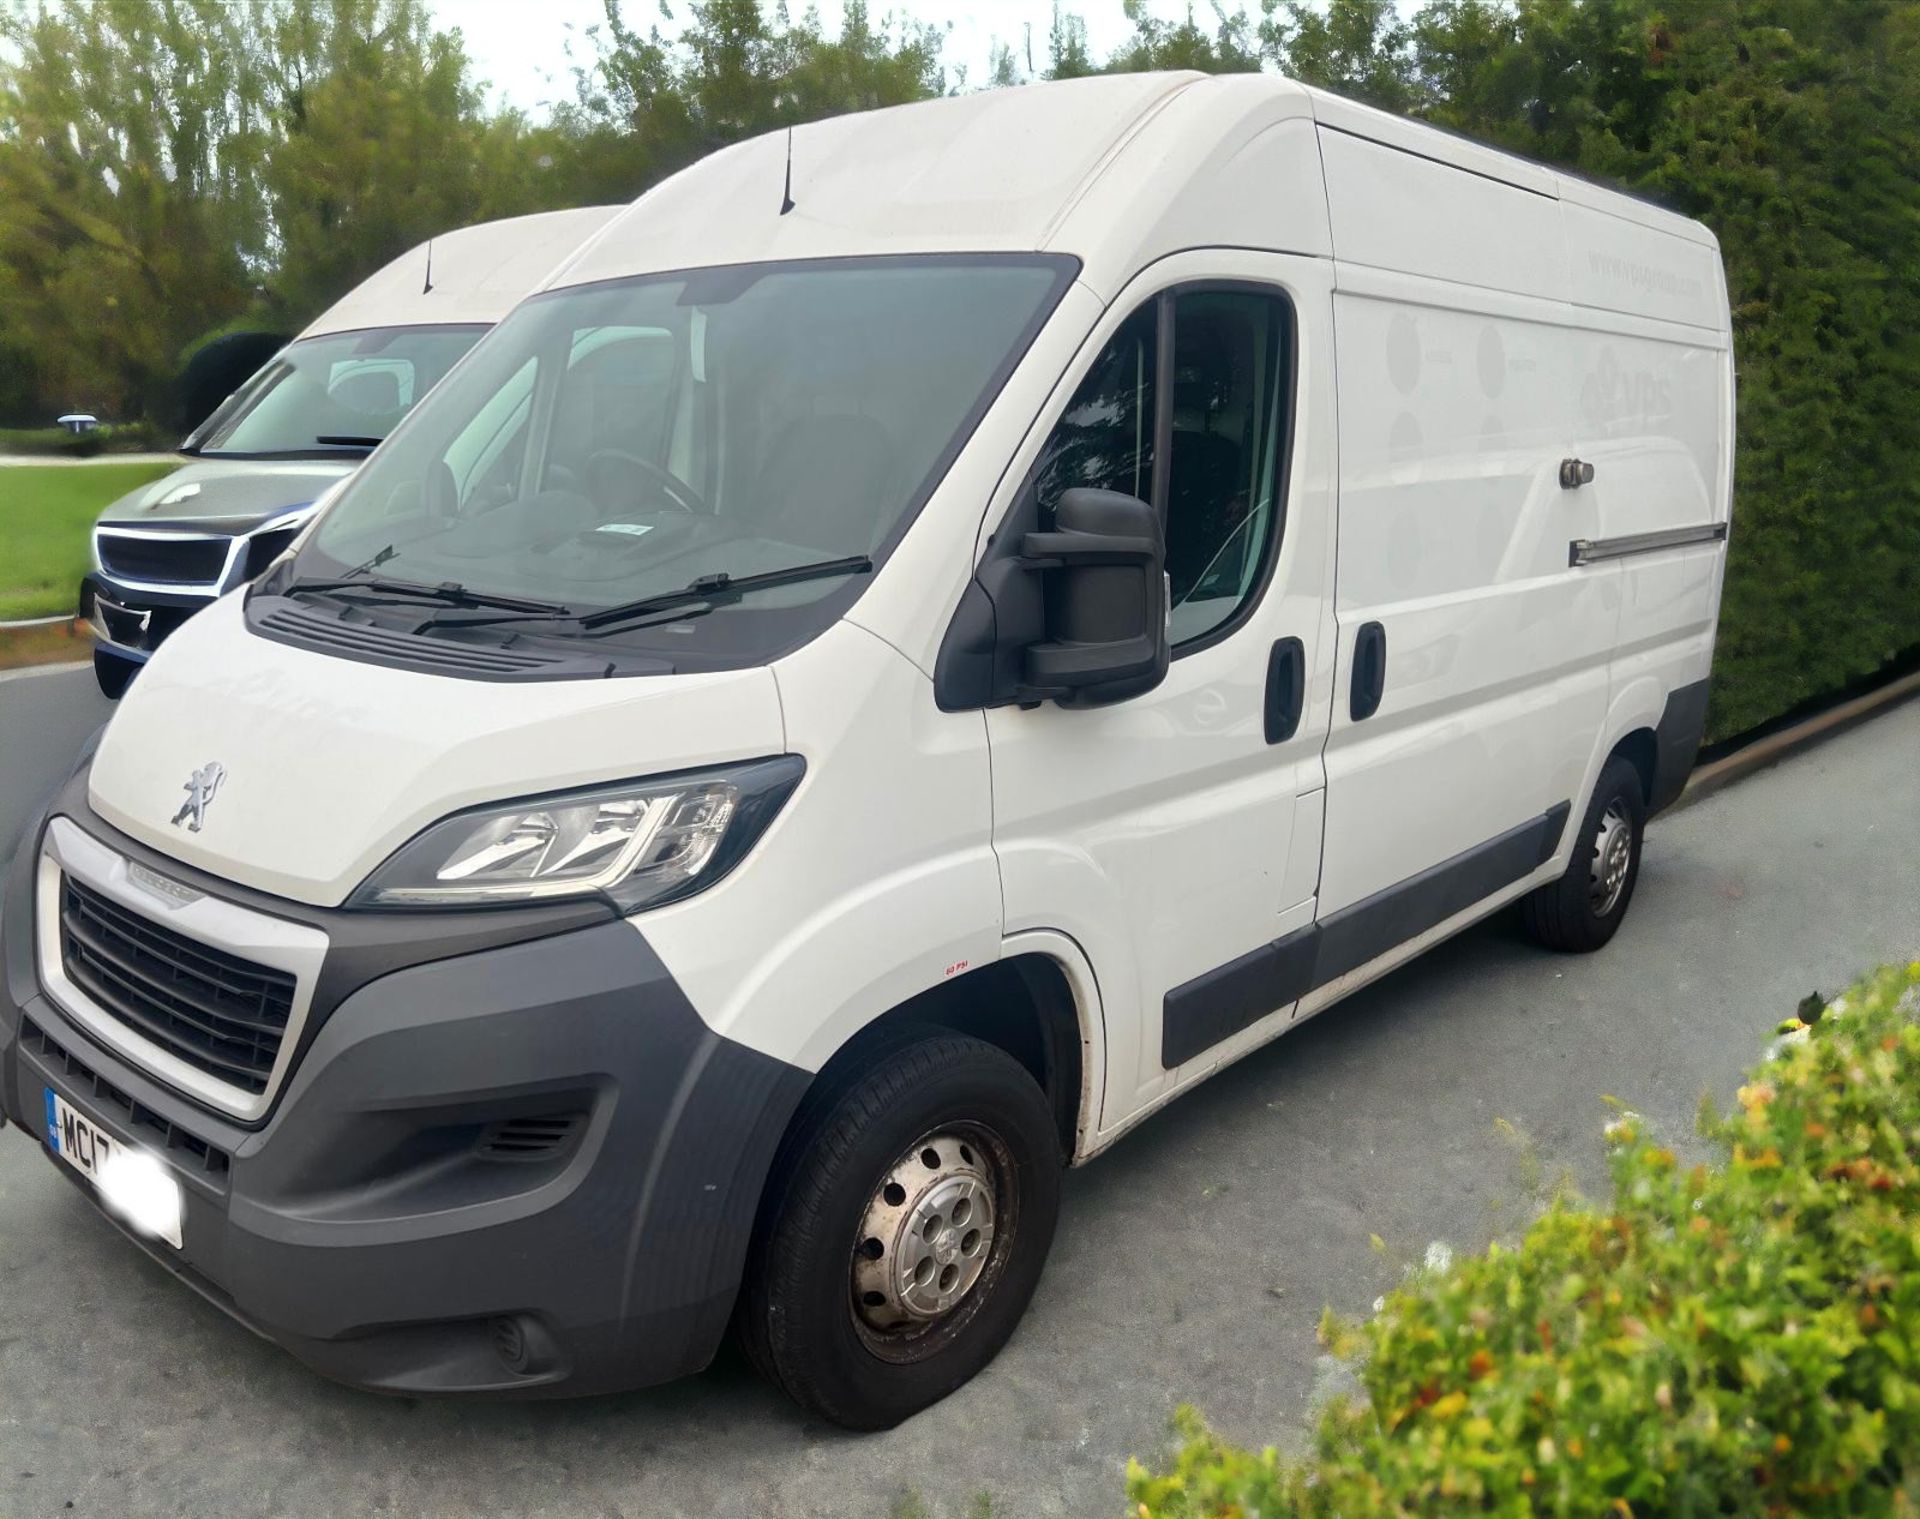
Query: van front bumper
(129, 623)
(404, 1219)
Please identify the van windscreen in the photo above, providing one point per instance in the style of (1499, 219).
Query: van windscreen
(340, 393)
(621, 441)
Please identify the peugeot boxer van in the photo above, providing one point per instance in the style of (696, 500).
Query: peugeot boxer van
(257, 465)
(927, 639)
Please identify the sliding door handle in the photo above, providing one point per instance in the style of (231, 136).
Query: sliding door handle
(1575, 473)
(1286, 689)
(1369, 671)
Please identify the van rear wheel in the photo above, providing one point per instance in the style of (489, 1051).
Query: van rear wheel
(907, 1221)
(1581, 911)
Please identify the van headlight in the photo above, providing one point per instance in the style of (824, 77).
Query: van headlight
(639, 843)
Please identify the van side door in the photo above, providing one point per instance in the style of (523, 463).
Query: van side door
(1473, 664)
(1176, 833)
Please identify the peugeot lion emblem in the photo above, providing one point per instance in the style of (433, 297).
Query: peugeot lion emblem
(200, 788)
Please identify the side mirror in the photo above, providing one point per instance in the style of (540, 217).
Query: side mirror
(1105, 597)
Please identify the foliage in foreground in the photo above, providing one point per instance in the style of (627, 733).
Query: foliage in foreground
(1740, 1339)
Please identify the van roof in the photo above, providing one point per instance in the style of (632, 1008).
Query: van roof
(1075, 166)
(1463, 152)
(480, 273)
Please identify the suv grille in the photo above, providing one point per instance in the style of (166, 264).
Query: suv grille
(163, 561)
(215, 1011)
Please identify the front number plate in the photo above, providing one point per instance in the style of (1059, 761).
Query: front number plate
(89, 1150)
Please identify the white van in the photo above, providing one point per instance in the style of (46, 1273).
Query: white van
(929, 638)
(254, 471)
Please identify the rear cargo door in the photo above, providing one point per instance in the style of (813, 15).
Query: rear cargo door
(1654, 419)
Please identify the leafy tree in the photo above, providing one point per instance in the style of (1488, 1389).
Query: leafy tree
(1068, 56)
(649, 106)
(1231, 47)
(130, 138)
(174, 168)
(1357, 47)
(380, 142)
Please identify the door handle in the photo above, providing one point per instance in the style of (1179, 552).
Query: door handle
(1286, 689)
(1369, 671)
(1575, 473)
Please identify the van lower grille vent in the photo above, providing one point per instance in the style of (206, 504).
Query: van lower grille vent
(184, 1148)
(537, 1138)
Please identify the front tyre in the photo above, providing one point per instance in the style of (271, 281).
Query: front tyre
(908, 1218)
(1582, 910)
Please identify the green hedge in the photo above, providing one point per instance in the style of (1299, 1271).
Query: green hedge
(50, 441)
(54, 442)
(1791, 127)
(1741, 1338)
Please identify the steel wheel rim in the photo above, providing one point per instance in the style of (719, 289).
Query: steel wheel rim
(940, 1219)
(1612, 860)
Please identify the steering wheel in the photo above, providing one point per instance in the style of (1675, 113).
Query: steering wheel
(677, 491)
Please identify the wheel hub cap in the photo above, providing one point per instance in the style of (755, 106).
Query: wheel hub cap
(1612, 855)
(926, 1235)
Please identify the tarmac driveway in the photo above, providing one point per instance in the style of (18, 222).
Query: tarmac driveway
(1192, 1260)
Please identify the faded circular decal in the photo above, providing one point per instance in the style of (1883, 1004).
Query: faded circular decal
(1493, 361)
(1403, 352)
(1403, 437)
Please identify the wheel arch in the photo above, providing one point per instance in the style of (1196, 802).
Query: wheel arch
(1038, 1003)
(1630, 730)
(1641, 750)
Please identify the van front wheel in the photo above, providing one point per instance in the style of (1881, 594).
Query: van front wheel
(1580, 911)
(906, 1224)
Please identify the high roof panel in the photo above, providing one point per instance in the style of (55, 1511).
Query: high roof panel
(480, 273)
(1115, 170)
(992, 170)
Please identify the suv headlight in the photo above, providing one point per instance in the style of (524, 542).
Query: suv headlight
(639, 843)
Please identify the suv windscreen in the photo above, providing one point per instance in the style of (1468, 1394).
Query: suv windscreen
(620, 441)
(341, 393)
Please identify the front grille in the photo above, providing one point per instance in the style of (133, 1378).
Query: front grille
(162, 561)
(215, 1011)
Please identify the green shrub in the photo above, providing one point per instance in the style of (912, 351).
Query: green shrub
(1736, 1339)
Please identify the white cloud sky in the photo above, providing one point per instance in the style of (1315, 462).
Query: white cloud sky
(520, 46)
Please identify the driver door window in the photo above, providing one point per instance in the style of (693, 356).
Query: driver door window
(1198, 427)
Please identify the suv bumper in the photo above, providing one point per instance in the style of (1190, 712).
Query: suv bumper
(376, 1225)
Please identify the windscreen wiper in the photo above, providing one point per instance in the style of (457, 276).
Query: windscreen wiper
(448, 593)
(705, 591)
(723, 587)
(347, 440)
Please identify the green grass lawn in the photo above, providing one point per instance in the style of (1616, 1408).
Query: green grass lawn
(46, 511)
